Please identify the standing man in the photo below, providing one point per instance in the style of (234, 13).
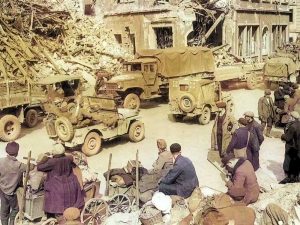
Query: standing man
(11, 171)
(266, 112)
(224, 126)
(182, 178)
(255, 128)
(291, 137)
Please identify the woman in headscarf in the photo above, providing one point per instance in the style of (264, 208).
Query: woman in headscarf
(62, 188)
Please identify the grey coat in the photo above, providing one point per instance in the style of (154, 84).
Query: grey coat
(183, 176)
(266, 108)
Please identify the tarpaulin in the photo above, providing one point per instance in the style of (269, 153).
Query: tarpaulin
(280, 67)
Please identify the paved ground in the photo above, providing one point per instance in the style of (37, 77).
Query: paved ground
(194, 138)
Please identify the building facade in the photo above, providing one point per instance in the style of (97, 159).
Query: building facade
(294, 21)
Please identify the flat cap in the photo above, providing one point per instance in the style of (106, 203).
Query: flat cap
(295, 114)
(12, 148)
(267, 92)
(221, 104)
(58, 149)
(249, 114)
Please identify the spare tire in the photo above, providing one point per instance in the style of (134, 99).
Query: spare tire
(10, 128)
(31, 118)
(187, 103)
(64, 129)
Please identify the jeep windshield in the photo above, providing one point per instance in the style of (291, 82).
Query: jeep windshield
(132, 67)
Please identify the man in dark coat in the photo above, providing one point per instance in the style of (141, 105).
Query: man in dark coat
(182, 178)
(256, 132)
(291, 137)
(279, 97)
(11, 171)
(62, 188)
(266, 112)
(243, 186)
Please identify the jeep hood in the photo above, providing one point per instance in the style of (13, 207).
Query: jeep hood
(126, 113)
(125, 77)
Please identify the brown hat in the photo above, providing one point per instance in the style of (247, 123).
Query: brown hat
(12, 148)
(267, 92)
(161, 144)
(243, 121)
(221, 104)
(71, 214)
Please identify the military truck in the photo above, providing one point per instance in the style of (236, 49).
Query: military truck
(283, 66)
(147, 76)
(196, 97)
(95, 119)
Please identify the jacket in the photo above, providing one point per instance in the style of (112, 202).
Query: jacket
(164, 161)
(244, 183)
(11, 171)
(183, 175)
(229, 125)
(266, 108)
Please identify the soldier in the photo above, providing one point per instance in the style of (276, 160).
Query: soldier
(266, 112)
(224, 126)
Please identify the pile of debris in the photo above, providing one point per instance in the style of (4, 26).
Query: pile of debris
(38, 40)
(223, 57)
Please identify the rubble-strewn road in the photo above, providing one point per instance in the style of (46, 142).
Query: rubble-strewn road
(194, 138)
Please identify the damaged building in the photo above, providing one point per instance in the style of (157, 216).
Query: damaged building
(253, 28)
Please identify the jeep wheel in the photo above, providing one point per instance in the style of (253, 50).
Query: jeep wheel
(204, 118)
(10, 128)
(132, 101)
(187, 103)
(251, 81)
(64, 129)
(92, 144)
(136, 131)
(31, 118)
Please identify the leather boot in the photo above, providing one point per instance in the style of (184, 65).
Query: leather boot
(268, 132)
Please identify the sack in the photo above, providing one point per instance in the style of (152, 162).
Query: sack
(240, 153)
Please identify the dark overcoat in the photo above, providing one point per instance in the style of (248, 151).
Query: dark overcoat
(183, 176)
(62, 188)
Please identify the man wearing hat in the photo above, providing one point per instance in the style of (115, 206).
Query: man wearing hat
(62, 186)
(223, 128)
(266, 112)
(291, 137)
(182, 178)
(11, 171)
(255, 128)
(243, 186)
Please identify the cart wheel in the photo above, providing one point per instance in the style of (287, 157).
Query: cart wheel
(119, 203)
(51, 221)
(94, 212)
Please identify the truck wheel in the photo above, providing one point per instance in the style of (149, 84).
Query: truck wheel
(251, 81)
(204, 118)
(136, 131)
(92, 144)
(31, 118)
(132, 101)
(10, 128)
(187, 103)
(64, 129)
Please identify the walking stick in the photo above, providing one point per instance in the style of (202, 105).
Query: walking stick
(108, 175)
(137, 178)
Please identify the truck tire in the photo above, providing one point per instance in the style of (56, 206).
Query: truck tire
(92, 144)
(31, 118)
(204, 118)
(10, 128)
(187, 103)
(136, 131)
(64, 128)
(251, 81)
(132, 101)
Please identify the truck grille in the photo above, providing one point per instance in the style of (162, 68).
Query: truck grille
(109, 88)
(50, 127)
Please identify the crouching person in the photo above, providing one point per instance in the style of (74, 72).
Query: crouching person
(182, 179)
(243, 186)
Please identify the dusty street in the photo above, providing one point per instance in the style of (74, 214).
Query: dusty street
(194, 138)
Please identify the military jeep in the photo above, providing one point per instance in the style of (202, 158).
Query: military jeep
(196, 97)
(94, 119)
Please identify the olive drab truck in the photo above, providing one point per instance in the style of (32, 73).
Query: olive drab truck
(148, 75)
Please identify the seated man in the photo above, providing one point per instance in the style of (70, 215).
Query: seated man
(243, 186)
(164, 160)
(182, 178)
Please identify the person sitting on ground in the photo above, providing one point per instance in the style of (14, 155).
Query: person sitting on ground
(182, 179)
(243, 186)
(165, 158)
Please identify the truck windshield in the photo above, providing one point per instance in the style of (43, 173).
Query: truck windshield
(132, 67)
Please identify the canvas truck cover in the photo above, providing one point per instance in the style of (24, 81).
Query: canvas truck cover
(176, 62)
(279, 67)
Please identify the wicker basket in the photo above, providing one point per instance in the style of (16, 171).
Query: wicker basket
(156, 218)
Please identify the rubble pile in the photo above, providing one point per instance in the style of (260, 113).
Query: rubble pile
(223, 57)
(285, 197)
(42, 38)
